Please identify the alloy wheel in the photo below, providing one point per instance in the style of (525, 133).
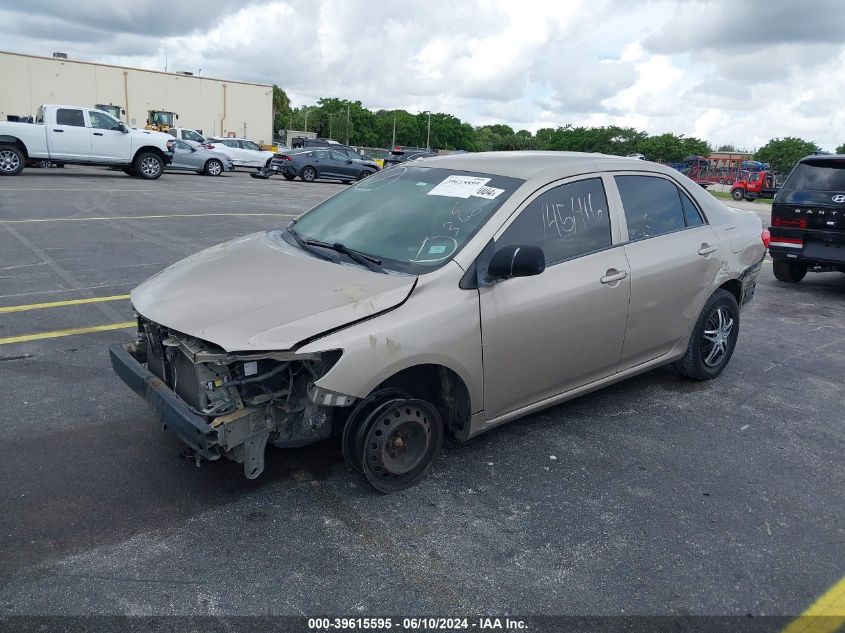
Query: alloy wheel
(150, 166)
(9, 161)
(716, 336)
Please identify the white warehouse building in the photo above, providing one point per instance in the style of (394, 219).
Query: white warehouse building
(215, 106)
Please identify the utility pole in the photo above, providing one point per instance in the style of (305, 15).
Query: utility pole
(330, 126)
(306, 118)
(428, 134)
(393, 143)
(347, 124)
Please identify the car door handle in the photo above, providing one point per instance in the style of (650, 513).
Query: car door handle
(98, 133)
(60, 131)
(706, 249)
(613, 275)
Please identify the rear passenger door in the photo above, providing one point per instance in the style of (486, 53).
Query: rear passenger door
(69, 137)
(673, 257)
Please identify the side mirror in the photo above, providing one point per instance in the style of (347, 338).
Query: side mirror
(122, 127)
(349, 161)
(516, 261)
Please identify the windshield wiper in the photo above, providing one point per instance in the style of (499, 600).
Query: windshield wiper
(371, 262)
(304, 244)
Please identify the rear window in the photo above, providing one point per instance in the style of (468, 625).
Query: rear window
(828, 175)
(66, 116)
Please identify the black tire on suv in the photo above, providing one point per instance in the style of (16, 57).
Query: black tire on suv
(788, 272)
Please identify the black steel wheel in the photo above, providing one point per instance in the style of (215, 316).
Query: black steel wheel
(308, 174)
(402, 440)
(364, 174)
(355, 423)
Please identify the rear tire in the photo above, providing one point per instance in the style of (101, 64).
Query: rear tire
(148, 166)
(365, 174)
(308, 174)
(213, 167)
(713, 338)
(11, 160)
(788, 272)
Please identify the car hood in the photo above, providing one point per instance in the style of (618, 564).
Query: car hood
(259, 293)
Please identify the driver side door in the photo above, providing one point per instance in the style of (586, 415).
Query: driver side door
(564, 328)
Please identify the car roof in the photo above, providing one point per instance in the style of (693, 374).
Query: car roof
(528, 164)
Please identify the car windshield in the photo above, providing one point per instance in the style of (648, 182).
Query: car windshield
(413, 218)
(822, 175)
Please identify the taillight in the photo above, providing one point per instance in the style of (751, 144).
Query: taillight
(283, 157)
(766, 237)
(797, 223)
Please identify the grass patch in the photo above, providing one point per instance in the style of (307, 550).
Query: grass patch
(724, 195)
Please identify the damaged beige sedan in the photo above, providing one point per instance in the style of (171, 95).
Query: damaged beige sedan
(443, 297)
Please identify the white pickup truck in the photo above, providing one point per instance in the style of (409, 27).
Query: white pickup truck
(83, 136)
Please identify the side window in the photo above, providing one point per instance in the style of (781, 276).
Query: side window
(230, 143)
(250, 145)
(66, 116)
(566, 222)
(692, 217)
(339, 156)
(320, 154)
(101, 121)
(652, 206)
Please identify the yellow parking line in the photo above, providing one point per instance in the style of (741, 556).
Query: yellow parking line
(825, 615)
(59, 304)
(146, 217)
(70, 332)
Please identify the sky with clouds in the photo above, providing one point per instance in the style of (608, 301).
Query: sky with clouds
(729, 71)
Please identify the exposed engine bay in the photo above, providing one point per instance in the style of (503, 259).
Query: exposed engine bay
(249, 398)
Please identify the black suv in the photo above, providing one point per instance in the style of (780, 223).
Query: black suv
(808, 219)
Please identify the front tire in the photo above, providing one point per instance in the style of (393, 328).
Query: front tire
(394, 443)
(713, 339)
(308, 174)
(738, 194)
(788, 272)
(11, 160)
(213, 167)
(148, 166)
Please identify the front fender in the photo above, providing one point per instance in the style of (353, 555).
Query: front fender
(438, 324)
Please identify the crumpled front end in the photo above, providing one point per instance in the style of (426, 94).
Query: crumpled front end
(229, 404)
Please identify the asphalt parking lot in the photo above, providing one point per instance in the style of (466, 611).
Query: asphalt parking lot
(654, 496)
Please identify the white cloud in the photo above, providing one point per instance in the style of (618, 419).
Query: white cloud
(658, 65)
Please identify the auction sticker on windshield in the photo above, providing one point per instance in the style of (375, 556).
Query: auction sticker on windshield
(455, 186)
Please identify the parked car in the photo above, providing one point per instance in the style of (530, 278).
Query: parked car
(203, 161)
(191, 137)
(243, 152)
(367, 315)
(397, 156)
(74, 135)
(311, 164)
(808, 219)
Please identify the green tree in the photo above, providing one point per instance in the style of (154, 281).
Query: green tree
(841, 149)
(281, 109)
(782, 154)
(727, 147)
